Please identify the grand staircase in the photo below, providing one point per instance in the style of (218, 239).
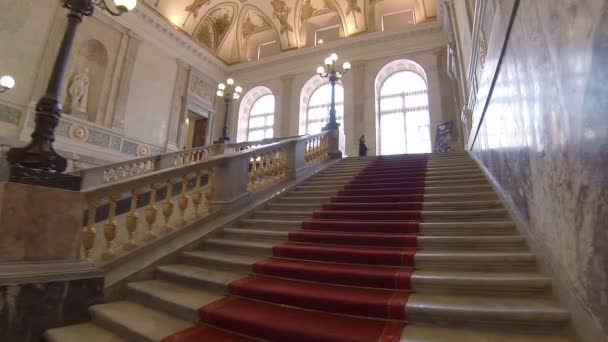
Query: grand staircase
(401, 248)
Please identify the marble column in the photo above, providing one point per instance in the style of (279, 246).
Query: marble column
(118, 121)
(177, 115)
(285, 109)
(355, 127)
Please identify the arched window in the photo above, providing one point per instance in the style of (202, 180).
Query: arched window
(403, 113)
(261, 119)
(317, 109)
(256, 115)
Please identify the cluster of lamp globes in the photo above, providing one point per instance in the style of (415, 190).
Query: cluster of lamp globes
(125, 5)
(229, 90)
(6, 83)
(330, 67)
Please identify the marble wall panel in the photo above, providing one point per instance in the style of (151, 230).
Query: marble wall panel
(28, 310)
(544, 138)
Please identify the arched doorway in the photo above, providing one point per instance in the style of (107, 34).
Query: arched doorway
(402, 109)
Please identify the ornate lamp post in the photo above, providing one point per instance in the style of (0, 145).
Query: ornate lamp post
(332, 71)
(6, 83)
(229, 92)
(38, 159)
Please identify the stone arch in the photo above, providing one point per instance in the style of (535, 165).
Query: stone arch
(245, 107)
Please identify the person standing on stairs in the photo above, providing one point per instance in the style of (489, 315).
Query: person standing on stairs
(362, 146)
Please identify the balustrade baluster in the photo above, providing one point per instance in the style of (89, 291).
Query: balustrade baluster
(210, 190)
(182, 202)
(89, 233)
(151, 214)
(197, 197)
(109, 231)
(131, 221)
(168, 208)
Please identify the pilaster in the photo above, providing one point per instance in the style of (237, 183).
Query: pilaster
(118, 121)
(177, 115)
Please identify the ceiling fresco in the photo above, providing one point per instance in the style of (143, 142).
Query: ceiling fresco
(225, 27)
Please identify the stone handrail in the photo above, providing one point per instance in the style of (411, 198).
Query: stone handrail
(124, 215)
(108, 174)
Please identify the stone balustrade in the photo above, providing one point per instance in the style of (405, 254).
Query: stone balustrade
(112, 173)
(131, 211)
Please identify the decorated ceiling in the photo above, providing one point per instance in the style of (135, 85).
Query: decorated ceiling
(230, 29)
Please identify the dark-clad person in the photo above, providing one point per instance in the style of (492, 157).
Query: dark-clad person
(362, 146)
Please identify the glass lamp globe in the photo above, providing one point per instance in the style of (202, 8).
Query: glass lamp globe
(127, 5)
(238, 89)
(320, 70)
(334, 57)
(221, 86)
(7, 82)
(230, 81)
(220, 93)
(236, 96)
(346, 66)
(327, 61)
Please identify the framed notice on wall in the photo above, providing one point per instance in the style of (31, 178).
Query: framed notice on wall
(443, 139)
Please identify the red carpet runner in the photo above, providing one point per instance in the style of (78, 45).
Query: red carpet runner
(343, 277)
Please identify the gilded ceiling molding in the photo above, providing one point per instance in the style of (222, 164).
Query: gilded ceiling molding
(193, 9)
(245, 32)
(308, 10)
(353, 8)
(213, 28)
(281, 12)
(250, 27)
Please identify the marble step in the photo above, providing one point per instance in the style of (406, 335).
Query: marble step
(172, 298)
(430, 183)
(477, 228)
(489, 261)
(525, 313)
(456, 197)
(427, 216)
(477, 261)
(88, 332)
(481, 283)
(381, 173)
(440, 167)
(417, 332)
(514, 242)
(430, 190)
(499, 284)
(135, 322)
(279, 204)
(217, 262)
(212, 279)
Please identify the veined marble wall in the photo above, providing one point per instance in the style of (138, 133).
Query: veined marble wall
(544, 139)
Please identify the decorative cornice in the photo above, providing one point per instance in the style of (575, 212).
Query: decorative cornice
(157, 30)
(327, 48)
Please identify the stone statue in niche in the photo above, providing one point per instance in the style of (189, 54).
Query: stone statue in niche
(79, 91)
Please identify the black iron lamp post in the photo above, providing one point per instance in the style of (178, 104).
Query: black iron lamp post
(332, 71)
(38, 158)
(229, 92)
